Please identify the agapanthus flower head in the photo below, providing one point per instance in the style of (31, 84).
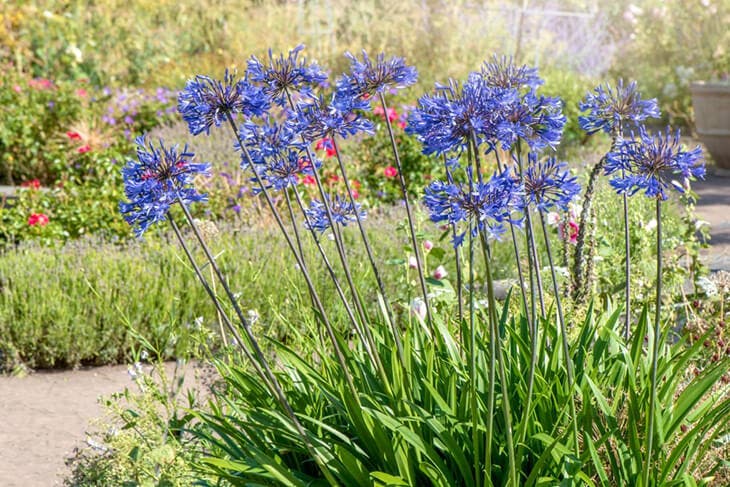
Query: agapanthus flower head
(366, 78)
(319, 120)
(446, 121)
(549, 184)
(608, 108)
(502, 72)
(283, 170)
(536, 119)
(653, 164)
(286, 75)
(486, 206)
(154, 181)
(206, 102)
(343, 213)
(269, 139)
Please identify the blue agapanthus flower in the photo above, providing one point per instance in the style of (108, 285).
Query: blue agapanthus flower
(536, 119)
(286, 75)
(653, 164)
(486, 205)
(501, 72)
(318, 120)
(366, 78)
(343, 213)
(609, 107)
(269, 139)
(446, 121)
(206, 102)
(283, 169)
(153, 183)
(548, 184)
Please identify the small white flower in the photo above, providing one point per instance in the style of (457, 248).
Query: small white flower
(553, 218)
(75, 52)
(701, 223)
(707, 286)
(651, 225)
(253, 316)
(144, 355)
(412, 262)
(418, 308)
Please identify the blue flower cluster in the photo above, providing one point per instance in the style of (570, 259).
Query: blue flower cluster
(286, 76)
(318, 119)
(498, 105)
(343, 213)
(653, 164)
(367, 78)
(549, 184)
(485, 205)
(609, 108)
(205, 101)
(155, 181)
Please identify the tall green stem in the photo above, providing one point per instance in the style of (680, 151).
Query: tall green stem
(563, 335)
(648, 464)
(409, 213)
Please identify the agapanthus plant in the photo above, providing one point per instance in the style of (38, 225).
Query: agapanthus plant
(502, 72)
(206, 102)
(487, 205)
(367, 78)
(549, 184)
(343, 213)
(283, 170)
(318, 119)
(283, 77)
(653, 164)
(160, 177)
(610, 108)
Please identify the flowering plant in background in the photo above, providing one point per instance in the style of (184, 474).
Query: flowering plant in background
(38, 219)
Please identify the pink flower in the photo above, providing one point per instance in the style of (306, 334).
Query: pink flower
(308, 180)
(402, 124)
(73, 135)
(17, 89)
(553, 218)
(355, 193)
(412, 262)
(82, 93)
(38, 219)
(392, 113)
(572, 232)
(41, 84)
(33, 184)
(83, 149)
(390, 172)
(427, 245)
(439, 273)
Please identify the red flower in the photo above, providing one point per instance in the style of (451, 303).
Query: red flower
(38, 219)
(402, 124)
(355, 194)
(308, 180)
(82, 93)
(333, 179)
(83, 149)
(33, 184)
(390, 172)
(73, 135)
(327, 145)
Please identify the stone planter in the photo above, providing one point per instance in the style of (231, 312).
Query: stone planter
(711, 103)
